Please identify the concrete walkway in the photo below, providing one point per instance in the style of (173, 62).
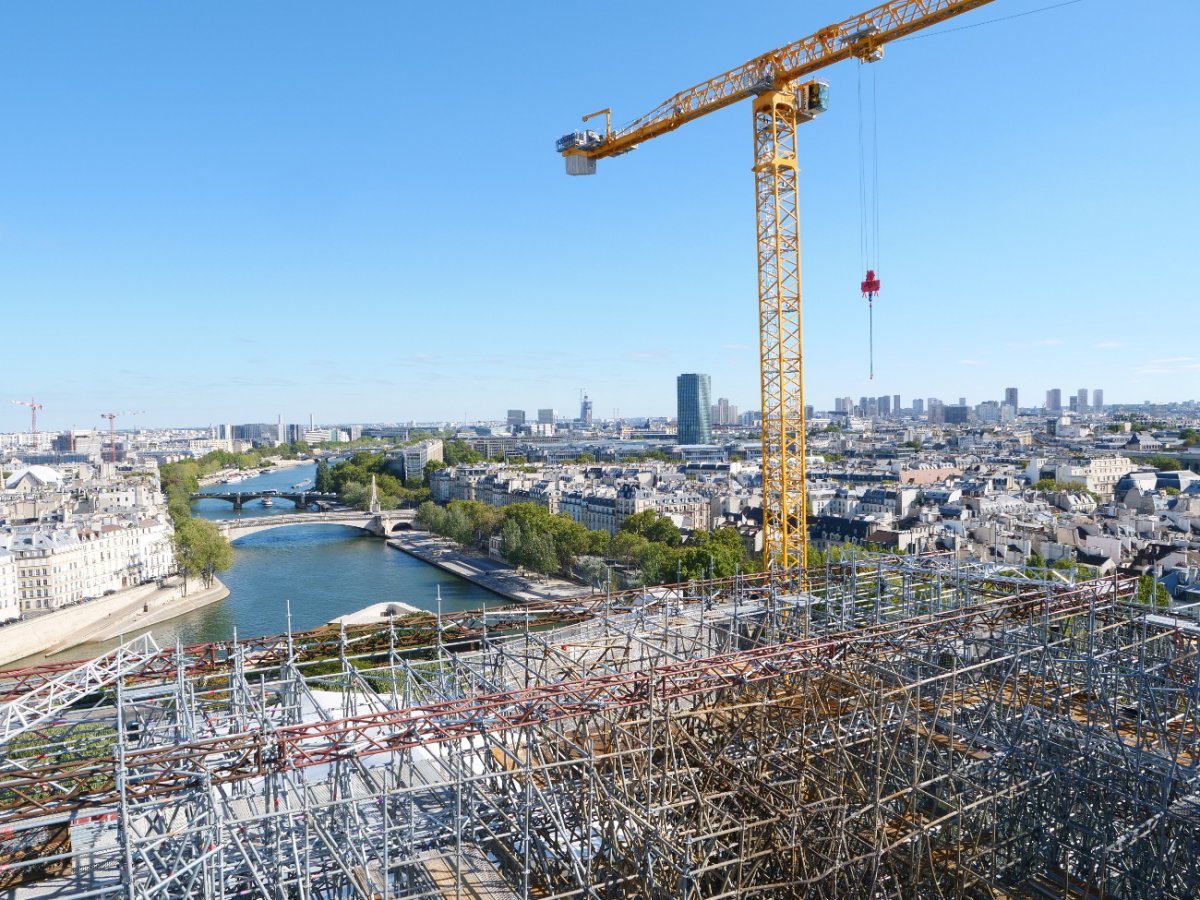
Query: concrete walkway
(498, 577)
(105, 618)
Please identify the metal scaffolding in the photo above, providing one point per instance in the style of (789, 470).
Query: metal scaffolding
(902, 727)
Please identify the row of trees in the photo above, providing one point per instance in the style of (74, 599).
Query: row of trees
(1071, 487)
(649, 548)
(254, 458)
(459, 453)
(1165, 463)
(200, 549)
(351, 478)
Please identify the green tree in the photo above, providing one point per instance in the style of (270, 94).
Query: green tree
(457, 453)
(1151, 593)
(1070, 487)
(538, 552)
(355, 494)
(431, 516)
(434, 465)
(458, 526)
(485, 520)
(659, 563)
(720, 551)
(591, 570)
(201, 550)
(628, 547)
(179, 508)
(323, 481)
(179, 480)
(598, 543)
(571, 539)
(654, 527)
(1165, 463)
(510, 540)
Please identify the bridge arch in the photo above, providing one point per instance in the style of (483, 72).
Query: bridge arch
(235, 533)
(378, 524)
(300, 499)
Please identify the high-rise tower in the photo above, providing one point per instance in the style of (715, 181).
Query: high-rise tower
(585, 410)
(694, 408)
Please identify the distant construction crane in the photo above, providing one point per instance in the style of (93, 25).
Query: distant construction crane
(34, 406)
(112, 430)
(780, 101)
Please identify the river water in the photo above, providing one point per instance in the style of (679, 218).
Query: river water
(325, 571)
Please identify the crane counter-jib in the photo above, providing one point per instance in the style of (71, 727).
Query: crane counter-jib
(861, 36)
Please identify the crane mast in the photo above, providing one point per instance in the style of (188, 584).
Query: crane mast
(112, 430)
(34, 406)
(781, 102)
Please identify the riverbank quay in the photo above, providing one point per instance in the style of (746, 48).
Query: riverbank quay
(276, 465)
(497, 577)
(104, 618)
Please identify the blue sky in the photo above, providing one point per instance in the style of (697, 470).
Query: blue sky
(227, 211)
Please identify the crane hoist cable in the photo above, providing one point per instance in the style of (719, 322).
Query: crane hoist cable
(868, 206)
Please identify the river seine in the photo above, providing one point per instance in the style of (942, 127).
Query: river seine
(325, 571)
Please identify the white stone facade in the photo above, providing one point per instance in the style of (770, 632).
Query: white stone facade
(10, 605)
(57, 567)
(67, 540)
(1100, 474)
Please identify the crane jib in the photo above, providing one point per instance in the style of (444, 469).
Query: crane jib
(861, 36)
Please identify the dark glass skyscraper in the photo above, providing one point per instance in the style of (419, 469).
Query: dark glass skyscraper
(695, 410)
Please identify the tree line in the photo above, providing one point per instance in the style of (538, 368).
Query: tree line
(200, 549)
(647, 549)
(351, 478)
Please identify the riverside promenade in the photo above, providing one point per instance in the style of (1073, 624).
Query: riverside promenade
(105, 618)
(498, 577)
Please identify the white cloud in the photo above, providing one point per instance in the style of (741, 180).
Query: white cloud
(646, 355)
(1176, 365)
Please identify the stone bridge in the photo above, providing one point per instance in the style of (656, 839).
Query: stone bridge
(301, 499)
(380, 524)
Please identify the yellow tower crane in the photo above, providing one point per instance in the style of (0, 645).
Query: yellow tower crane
(780, 101)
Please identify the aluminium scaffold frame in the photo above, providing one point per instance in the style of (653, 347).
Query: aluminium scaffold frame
(901, 728)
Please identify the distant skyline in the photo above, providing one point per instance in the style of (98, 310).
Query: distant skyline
(947, 397)
(225, 212)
